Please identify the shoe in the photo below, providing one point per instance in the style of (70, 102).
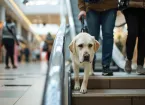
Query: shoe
(7, 67)
(14, 67)
(107, 71)
(140, 70)
(128, 68)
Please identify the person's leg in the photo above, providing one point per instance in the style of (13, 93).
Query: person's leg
(93, 22)
(7, 59)
(132, 22)
(108, 22)
(11, 52)
(7, 54)
(12, 55)
(26, 58)
(141, 41)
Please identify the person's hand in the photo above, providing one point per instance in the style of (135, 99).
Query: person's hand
(82, 13)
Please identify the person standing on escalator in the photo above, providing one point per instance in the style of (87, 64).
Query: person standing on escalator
(101, 13)
(8, 40)
(135, 19)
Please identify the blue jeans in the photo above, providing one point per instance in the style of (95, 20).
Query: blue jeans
(106, 19)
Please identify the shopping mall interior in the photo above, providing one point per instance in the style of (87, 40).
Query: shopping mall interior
(43, 73)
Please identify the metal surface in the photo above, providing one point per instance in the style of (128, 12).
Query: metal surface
(54, 82)
(53, 91)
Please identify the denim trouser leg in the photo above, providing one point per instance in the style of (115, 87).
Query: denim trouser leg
(108, 23)
(93, 21)
(107, 20)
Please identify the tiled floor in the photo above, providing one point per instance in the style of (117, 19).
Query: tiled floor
(22, 86)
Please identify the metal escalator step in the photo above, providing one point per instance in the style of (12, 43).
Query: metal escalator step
(110, 97)
(120, 80)
(111, 93)
(99, 68)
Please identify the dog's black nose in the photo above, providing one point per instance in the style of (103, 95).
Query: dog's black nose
(87, 57)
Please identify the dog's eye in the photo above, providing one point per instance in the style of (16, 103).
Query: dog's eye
(81, 45)
(90, 45)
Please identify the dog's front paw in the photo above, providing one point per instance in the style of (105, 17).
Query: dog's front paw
(91, 74)
(83, 89)
(77, 86)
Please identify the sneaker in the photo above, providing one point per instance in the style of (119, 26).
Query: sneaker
(107, 71)
(140, 70)
(14, 67)
(7, 67)
(128, 68)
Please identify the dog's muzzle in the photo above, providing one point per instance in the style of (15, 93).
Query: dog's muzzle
(86, 57)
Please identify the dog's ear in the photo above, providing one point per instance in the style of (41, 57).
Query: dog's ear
(72, 46)
(96, 45)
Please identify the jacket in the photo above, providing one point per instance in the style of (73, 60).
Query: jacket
(100, 6)
(6, 33)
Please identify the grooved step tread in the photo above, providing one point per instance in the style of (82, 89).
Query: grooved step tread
(111, 93)
(117, 75)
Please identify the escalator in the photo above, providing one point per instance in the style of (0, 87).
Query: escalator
(118, 61)
(120, 89)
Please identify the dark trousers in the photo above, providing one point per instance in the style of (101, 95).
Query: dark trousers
(135, 18)
(9, 46)
(27, 58)
(106, 19)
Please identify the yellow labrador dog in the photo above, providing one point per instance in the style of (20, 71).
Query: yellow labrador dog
(82, 49)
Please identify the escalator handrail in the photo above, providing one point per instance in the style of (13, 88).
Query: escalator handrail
(54, 84)
(53, 90)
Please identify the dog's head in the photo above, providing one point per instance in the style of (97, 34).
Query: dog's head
(84, 47)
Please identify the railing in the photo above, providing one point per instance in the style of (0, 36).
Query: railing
(54, 84)
(53, 91)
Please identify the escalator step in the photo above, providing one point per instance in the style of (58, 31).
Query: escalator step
(110, 97)
(120, 80)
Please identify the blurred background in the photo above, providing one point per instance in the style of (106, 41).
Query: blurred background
(36, 21)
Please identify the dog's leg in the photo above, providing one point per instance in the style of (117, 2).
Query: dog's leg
(93, 66)
(85, 79)
(91, 73)
(76, 76)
